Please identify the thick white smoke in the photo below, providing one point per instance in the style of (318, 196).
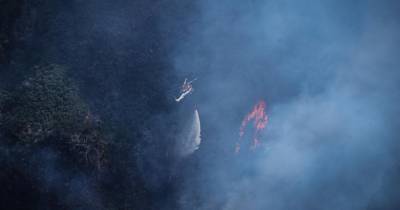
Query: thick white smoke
(190, 137)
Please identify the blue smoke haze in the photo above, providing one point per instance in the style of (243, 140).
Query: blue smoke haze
(329, 73)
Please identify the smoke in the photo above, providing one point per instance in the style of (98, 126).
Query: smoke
(191, 136)
(74, 190)
(328, 71)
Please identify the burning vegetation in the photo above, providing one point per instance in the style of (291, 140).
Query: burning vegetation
(260, 120)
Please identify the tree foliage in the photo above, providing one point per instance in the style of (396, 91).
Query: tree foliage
(45, 104)
(47, 109)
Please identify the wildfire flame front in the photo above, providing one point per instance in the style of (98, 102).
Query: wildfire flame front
(260, 119)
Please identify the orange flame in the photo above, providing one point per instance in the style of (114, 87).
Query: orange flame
(260, 122)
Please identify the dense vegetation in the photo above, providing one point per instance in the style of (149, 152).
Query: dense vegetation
(80, 99)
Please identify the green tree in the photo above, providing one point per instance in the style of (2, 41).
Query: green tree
(46, 108)
(46, 104)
